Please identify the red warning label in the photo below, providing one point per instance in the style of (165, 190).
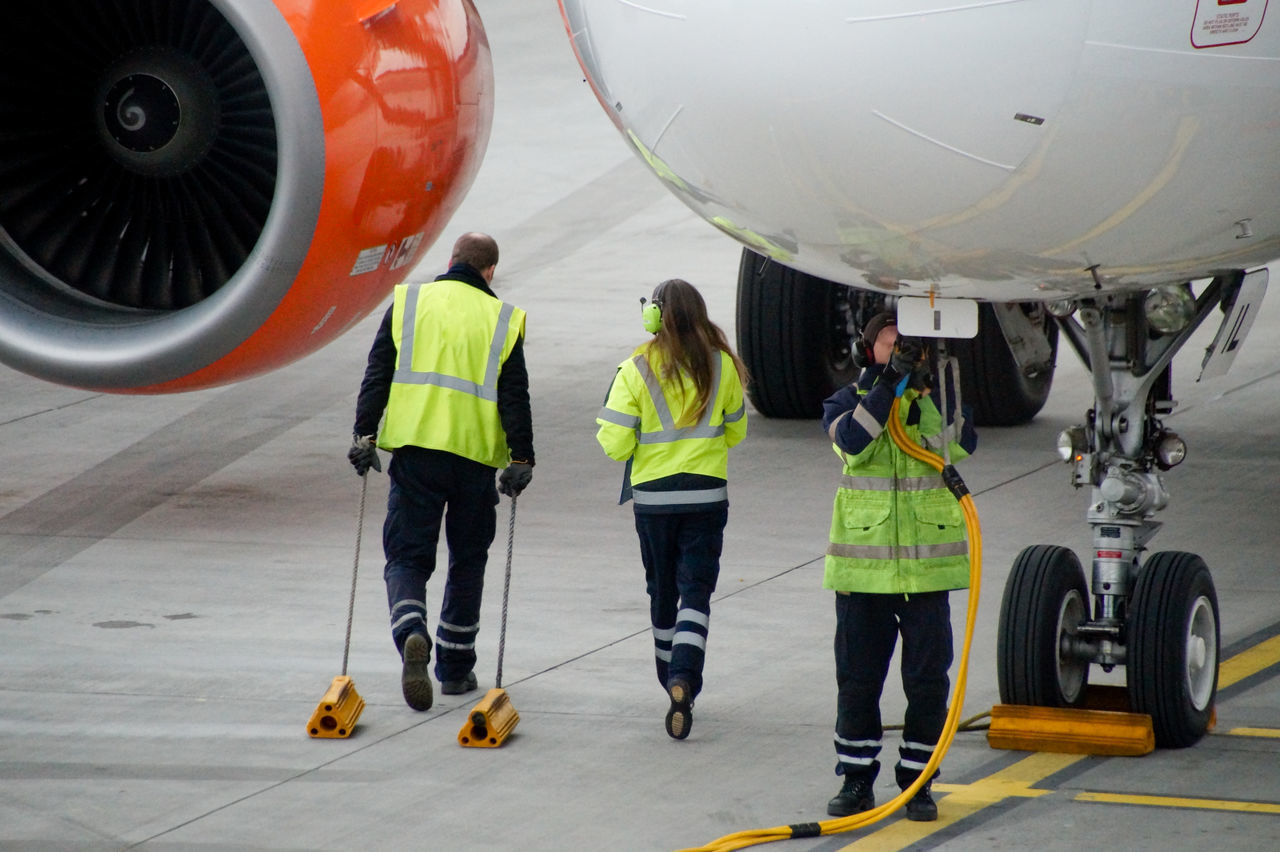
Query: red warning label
(1222, 22)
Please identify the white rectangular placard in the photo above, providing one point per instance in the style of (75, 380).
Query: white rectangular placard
(943, 318)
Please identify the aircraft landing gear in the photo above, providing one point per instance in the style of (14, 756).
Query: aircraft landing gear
(1158, 617)
(796, 331)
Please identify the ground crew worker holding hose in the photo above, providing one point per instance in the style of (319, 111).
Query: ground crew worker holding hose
(447, 367)
(673, 411)
(897, 546)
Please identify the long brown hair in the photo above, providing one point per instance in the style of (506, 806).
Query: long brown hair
(687, 341)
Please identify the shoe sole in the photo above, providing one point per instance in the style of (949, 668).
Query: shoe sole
(415, 680)
(844, 812)
(680, 716)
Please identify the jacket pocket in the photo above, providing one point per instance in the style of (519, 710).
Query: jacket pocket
(862, 512)
(939, 514)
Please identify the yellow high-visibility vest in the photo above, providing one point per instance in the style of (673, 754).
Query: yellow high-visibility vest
(451, 342)
(639, 421)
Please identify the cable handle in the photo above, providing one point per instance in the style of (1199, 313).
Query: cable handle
(506, 589)
(355, 569)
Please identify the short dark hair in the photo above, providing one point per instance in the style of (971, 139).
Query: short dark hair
(479, 251)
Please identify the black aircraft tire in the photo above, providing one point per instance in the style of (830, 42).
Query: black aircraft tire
(1173, 647)
(990, 379)
(792, 337)
(1045, 598)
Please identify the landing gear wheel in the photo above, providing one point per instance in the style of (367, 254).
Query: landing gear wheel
(1173, 647)
(793, 336)
(1045, 601)
(989, 376)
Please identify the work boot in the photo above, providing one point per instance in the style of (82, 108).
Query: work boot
(457, 687)
(680, 716)
(920, 807)
(855, 796)
(415, 680)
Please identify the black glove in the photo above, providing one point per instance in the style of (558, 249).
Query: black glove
(515, 478)
(911, 358)
(364, 454)
(908, 353)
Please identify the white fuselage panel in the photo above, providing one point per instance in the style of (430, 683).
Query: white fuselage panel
(994, 149)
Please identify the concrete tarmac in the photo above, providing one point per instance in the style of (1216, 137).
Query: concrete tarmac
(175, 575)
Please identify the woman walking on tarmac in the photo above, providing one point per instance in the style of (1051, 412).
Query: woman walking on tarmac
(673, 411)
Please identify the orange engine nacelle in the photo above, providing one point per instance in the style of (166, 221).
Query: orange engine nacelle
(197, 191)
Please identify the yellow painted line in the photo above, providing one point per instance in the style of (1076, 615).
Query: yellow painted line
(1018, 780)
(1273, 733)
(964, 800)
(1264, 655)
(1175, 802)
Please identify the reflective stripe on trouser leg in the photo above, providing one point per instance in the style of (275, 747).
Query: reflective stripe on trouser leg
(407, 616)
(689, 645)
(856, 757)
(662, 651)
(455, 643)
(912, 759)
(681, 554)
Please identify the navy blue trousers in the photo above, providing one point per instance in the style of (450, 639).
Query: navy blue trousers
(428, 486)
(867, 628)
(681, 556)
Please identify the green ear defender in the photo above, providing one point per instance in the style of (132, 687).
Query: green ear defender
(651, 315)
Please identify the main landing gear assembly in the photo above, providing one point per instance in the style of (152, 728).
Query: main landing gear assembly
(1157, 616)
(795, 332)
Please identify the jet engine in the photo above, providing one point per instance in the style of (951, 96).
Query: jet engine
(197, 191)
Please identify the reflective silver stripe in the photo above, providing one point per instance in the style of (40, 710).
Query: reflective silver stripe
(444, 625)
(409, 602)
(911, 764)
(693, 616)
(630, 421)
(668, 432)
(857, 743)
(407, 617)
(408, 376)
(867, 421)
(737, 415)
(674, 498)
(884, 483)
(899, 551)
(941, 439)
(655, 392)
(672, 435)
(835, 424)
(664, 634)
(455, 646)
(661, 654)
(688, 637)
(854, 761)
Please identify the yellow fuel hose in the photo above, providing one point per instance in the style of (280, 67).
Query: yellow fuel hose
(752, 837)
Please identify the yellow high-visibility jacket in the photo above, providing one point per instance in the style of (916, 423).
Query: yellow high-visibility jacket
(646, 420)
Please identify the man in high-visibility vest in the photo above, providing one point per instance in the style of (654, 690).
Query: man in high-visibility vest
(897, 547)
(447, 369)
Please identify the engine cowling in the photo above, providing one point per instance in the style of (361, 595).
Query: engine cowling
(194, 193)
